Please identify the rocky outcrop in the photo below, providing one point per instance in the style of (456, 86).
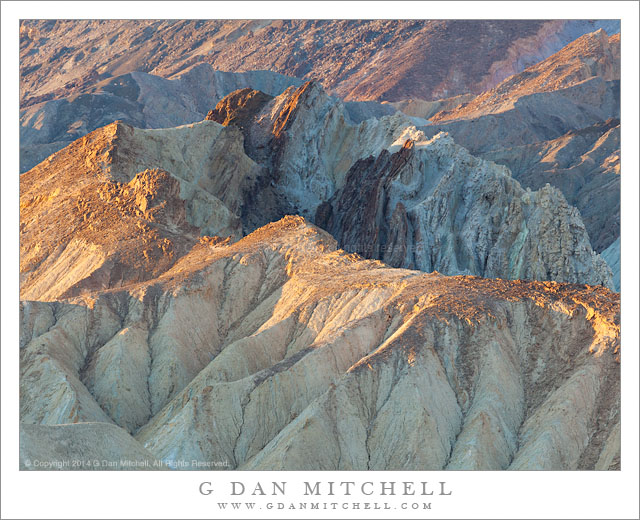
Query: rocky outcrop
(355, 59)
(305, 141)
(299, 152)
(147, 101)
(172, 313)
(239, 108)
(359, 365)
(584, 165)
(433, 206)
(133, 202)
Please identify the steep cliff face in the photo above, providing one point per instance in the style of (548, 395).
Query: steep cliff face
(132, 202)
(306, 141)
(361, 366)
(355, 59)
(433, 206)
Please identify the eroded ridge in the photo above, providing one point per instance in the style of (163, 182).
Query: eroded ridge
(359, 365)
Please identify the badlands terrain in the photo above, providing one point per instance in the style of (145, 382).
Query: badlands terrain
(328, 269)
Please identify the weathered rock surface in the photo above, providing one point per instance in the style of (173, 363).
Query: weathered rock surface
(433, 206)
(299, 152)
(132, 202)
(584, 165)
(557, 122)
(359, 365)
(148, 101)
(357, 60)
(306, 142)
(143, 340)
(82, 446)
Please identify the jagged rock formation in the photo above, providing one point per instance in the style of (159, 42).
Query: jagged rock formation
(171, 311)
(359, 365)
(139, 99)
(310, 149)
(306, 142)
(148, 101)
(526, 115)
(296, 153)
(433, 206)
(132, 202)
(584, 165)
(357, 60)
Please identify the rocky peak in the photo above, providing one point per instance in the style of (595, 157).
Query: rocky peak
(292, 100)
(403, 208)
(239, 107)
(133, 202)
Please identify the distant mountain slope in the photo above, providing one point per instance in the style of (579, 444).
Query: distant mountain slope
(148, 101)
(584, 165)
(357, 60)
(594, 54)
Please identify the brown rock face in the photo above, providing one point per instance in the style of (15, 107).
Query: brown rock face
(239, 107)
(121, 205)
(356, 215)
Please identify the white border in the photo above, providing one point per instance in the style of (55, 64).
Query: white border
(175, 495)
